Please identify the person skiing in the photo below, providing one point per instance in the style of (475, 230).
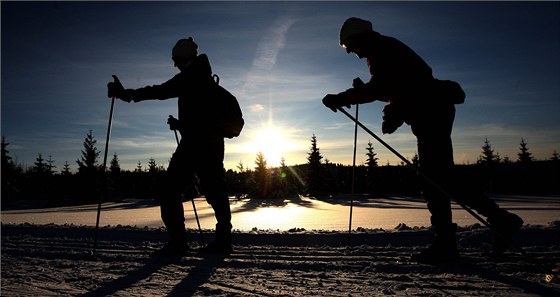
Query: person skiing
(404, 80)
(200, 152)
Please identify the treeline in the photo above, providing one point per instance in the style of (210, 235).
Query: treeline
(318, 177)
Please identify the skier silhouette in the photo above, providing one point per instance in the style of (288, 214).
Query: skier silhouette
(200, 151)
(403, 79)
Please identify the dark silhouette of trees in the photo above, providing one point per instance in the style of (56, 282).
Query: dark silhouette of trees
(318, 177)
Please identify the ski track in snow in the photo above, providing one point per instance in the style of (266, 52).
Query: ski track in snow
(56, 260)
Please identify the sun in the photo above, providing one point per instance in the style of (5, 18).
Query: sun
(272, 143)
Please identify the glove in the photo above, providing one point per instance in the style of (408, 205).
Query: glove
(173, 123)
(335, 101)
(392, 119)
(357, 82)
(116, 89)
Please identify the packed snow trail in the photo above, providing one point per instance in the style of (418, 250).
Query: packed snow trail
(55, 260)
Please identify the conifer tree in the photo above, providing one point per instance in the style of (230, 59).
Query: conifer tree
(114, 166)
(40, 166)
(6, 159)
(90, 154)
(262, 177)
(152, 166)
(50, 165)
(555, 156)
(66, 169)
(372, 165)
(488, 156)
(371, 156)
(524, 156)
(316, 185)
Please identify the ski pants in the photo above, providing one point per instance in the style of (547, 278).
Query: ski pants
(435, 151)
(202, 159)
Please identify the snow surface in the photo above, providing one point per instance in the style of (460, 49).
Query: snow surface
(282, 214)
(56, 260)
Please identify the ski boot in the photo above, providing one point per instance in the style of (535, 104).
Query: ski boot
(174, 248)
(442, 250)
(505, 225)
(222, 244)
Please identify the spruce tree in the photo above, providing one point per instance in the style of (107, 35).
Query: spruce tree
(524, 156)
(6, 159)
(372, 173)
(316, 185)
(152, 166)
(50, 165)
(371, 156)
(90, 154)
(554, 156)
(488, 156)
(40, 167)
(66, 169)
(262, 178)
(114, 166)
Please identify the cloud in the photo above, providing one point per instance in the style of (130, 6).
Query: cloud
(273, 41)
(256, 107)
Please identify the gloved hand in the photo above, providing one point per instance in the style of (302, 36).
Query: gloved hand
(357, 82)
(334, 101)
(116, 89)
(173, 123)
(392, 118)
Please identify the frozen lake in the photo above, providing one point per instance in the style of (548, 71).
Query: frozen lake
(301, 212)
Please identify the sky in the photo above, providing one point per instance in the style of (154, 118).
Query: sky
(279, 59)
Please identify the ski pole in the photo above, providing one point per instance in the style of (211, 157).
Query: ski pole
(418, 171)
(444, 192)
(353, 176)
(192, 200)
(104, 168)
(356, 83)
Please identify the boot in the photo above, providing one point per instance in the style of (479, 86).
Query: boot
(176, 247)
(504, 224)
(222, 244)
(443, 248)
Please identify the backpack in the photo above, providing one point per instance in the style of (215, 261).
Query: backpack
(228, 118)
(448, 90)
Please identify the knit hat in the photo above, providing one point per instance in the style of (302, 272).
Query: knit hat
(353, 26)
(185, 48)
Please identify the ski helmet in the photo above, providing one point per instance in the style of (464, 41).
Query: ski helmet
(353, 26)
(185, 48)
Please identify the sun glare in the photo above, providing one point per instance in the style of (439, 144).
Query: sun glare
(272, 143)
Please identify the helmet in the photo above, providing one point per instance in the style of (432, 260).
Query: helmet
(185, 48)
(353, 26)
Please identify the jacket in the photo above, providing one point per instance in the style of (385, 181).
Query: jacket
(193, 87)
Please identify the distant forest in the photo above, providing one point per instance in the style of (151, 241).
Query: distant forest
(317, 178)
